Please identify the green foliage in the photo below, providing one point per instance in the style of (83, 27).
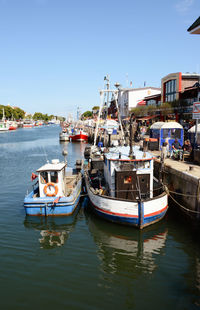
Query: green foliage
(87, 114)
(166, 108)
(17, 113)
(95, 108)
(11, 113)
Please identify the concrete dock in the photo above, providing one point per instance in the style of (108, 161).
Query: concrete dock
(182, 180)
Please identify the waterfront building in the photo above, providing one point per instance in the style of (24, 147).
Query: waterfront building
(173, 84)
(129, 98)
(195, 27)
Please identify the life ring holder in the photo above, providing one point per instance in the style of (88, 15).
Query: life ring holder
(48, 194)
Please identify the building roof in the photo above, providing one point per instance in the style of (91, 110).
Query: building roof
(141, 88)
(152, 97)
(167, 125)
(54, 166)
(195, 27)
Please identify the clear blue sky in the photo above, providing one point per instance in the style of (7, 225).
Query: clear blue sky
(54, 54)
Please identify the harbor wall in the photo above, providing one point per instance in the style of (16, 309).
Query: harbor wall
(184, 190)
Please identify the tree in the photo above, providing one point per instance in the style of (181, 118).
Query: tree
(38, 116)
(87, 114)
(95, 108)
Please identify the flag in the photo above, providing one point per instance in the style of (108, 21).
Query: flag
(56, 200)
(33, 176)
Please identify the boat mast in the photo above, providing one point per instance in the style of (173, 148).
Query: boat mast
(131, 155)
(107, 78)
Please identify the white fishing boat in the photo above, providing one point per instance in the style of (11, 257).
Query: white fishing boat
(121, 186)
(64, 135)
(124, 190)
(28, 123)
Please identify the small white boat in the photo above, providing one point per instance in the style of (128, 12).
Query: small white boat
(4, 125)
(64, 136)
(57, 191)
(28, 123)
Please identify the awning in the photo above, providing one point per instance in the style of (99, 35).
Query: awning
(145, 118)
(142, 102)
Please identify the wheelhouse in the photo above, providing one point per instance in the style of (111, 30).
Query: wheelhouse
(127, 178)
(51, 177)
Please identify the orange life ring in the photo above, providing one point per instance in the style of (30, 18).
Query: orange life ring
(48, 194)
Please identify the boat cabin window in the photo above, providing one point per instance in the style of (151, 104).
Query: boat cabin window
(44, 177)
(54, 176)
(128, 180)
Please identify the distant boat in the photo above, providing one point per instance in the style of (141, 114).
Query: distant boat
(79, 135)
(57, 191)
(64, 135)
(12, 125)
(28, 123)
(4, 126)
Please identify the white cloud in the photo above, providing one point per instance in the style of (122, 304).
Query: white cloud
(182, 6)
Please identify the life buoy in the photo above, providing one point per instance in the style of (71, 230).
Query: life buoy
(51, 194)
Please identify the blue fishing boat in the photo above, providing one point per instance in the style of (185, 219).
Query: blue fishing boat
(57, 190)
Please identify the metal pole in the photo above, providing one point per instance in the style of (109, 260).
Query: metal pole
(108, 86)
(97, 124)
(196, 132)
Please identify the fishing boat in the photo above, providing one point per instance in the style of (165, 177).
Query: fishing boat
(28, 123)
(4, 126)
(57, 190)
(79, 135)
(121, 185)
(64, 135)
(12, 125)
(122, 188)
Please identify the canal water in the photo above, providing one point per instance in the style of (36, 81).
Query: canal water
(83, 262)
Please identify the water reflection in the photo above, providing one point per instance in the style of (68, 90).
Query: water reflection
(125, 249)
(54, 231)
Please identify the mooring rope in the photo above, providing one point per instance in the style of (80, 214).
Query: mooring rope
(180, 205)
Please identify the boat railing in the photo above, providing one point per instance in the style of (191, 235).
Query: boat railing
(101, 190)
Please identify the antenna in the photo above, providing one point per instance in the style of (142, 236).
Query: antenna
(127, 79)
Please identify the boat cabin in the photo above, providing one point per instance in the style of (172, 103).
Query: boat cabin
(127, 178)
(51, 178)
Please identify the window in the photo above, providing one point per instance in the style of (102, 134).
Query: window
(44, 177)
(54, 176)
(170, 91)
(127, 180)
(165, 133)
(176, 133)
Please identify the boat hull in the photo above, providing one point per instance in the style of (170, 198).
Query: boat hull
(46, 206)
(64, 138)
(133, 213)
(79, 137)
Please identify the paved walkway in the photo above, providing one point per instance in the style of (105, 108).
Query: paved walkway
(184, 166)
